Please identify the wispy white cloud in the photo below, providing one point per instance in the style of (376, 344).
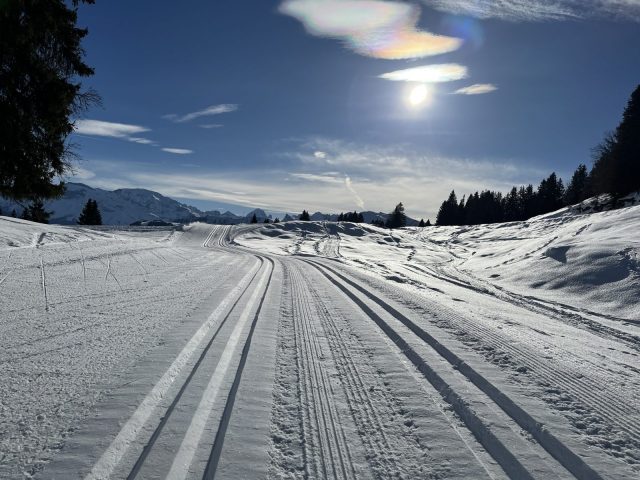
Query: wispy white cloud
(536, 10)
(320, 154)
(317, 178)
(143, 141)
(100, 128)
(446, 72)
(350, 176)
(206, 112)
(477, 89)
(178, 151)
(374, 28)
(211, 125)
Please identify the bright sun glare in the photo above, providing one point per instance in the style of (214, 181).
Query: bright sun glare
(419, 96)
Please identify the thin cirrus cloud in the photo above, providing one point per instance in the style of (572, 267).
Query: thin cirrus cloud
(373, 28)
(537, 10)
(446, 72)
(100, 128)
(178, 151)
(477, 89)
(206, 112)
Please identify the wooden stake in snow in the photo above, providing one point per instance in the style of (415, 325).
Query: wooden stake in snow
(44, 286)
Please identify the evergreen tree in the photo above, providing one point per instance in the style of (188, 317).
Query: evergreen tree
(428, 224)
(421, 223)
(578, 188)
(254, 219)
(277, 220)
(304, 216)
(90, 214)
(341, 217)
(449, 210)
(550, 195)
(397, 218)
(512, 210)
(36, 212)
(14, 214)
(616, 169)
(266, 220)
(41, 60)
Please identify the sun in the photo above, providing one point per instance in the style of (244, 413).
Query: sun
(419, 96)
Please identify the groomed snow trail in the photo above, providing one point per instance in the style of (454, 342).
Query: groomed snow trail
(315, 363)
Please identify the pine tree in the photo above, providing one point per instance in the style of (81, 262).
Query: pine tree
(41, 60)
(14, 214)
(397, 218)
(304, 216)
(421, 223)
(578, 188)
(428, 224)
(616, 169)
(90, 214)
(36, 212)
(448, 213)
(277, 220)
(254, 219)
(266, 220)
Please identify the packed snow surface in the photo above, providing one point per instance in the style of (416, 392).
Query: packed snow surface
(322, 350)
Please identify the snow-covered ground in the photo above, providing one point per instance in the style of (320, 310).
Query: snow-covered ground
(322, 350)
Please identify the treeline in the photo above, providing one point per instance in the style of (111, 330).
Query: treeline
(615, 171)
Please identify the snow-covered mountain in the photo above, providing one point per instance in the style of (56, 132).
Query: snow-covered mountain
(118, 207)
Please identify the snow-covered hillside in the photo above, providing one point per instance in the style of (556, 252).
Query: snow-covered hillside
(590, 261)
(313, 350)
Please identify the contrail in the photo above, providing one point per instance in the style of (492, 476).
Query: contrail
(347, 182)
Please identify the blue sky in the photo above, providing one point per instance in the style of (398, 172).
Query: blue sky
(295, 104)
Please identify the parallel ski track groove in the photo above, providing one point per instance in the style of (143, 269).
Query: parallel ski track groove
(356, 391)
(163, 420)
(566, 457)
(331, 437)
(216, 450)
(588, 392)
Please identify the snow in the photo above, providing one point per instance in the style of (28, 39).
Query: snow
(322, 350)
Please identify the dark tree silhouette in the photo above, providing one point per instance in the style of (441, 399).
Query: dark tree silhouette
(36, 212)
(550, 195)
(421, 223)
(90, 214)
(428, 224)
(304, 216)
(578, 188)
(616, 168)
(449, 211)
(397, 218)
(254, 219)
(277, 220)
(41, 59)
(266, 220)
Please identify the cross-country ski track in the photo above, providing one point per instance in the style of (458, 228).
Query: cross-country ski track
(306, 364)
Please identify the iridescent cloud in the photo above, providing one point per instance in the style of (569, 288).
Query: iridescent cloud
(374, 28)
(446, 72)
(477, 89)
